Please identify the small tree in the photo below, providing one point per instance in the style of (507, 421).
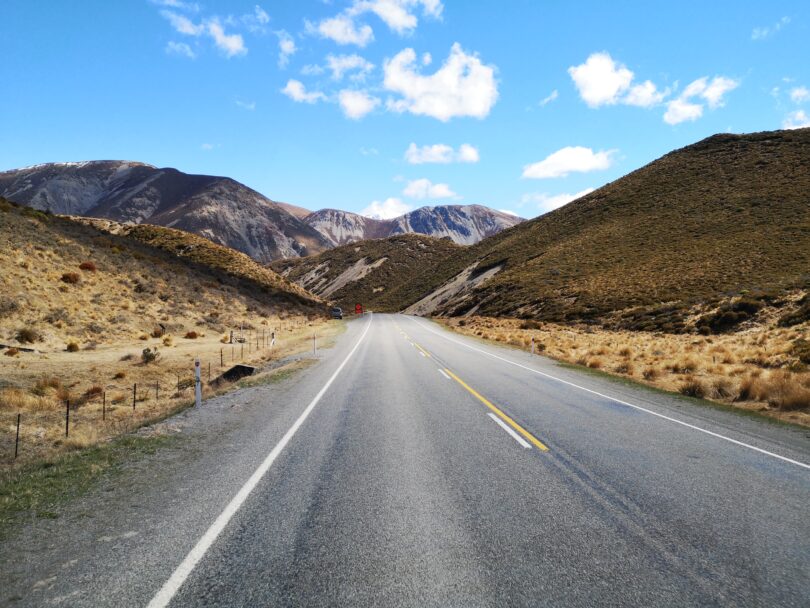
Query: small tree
(150, 355)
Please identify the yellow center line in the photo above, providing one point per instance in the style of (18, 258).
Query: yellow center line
(424, 352)
(531, 438)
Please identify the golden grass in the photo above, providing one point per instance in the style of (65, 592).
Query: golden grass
(757, 369)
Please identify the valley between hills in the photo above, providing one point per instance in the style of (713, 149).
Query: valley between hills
(689, 275)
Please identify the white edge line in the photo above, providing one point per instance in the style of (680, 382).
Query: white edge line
(637, 407)
(441, 371)
(506, 428)
(181, 573)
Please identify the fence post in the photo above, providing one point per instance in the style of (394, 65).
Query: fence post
(67, 417)
(197, 383)
(220, 357)
(104, 405)
(134, 393)
(209, 372)
(17, 439)
(157, 388)
(242, 351)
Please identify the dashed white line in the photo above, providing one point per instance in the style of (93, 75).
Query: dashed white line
(181, 573)
(506, 428)
(615, 400)
(441, 371)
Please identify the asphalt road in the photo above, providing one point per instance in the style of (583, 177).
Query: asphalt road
(415, 467)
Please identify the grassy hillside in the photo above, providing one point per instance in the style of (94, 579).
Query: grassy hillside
(667, 247)
(728, 214)
(108, 319)
(379, 273)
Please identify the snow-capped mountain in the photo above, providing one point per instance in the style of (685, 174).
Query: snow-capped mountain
(225, 211)
(464, 224)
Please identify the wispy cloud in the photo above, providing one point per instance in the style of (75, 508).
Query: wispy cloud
(246, 105)
(761, 33)
(549, 98)
(286, 48)
(180, 48)
(441, 154)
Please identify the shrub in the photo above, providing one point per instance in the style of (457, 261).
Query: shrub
(692, 387)
(192, 335)
(625, 352)
(88, 266)
(72, 347)
(150, 355)
(225, 339)
(127, 357)
(143, 337)
(800, 315)
(57, 315)
(722, 389)
(167, 340)
(595, 363)
(8, 306)
(70, 277)
(26, 335)
(624, 368)
(157, 332)
(801, 350)
(93, 391)
(12, 352)
(529, 324)
(650, 373)
(119, 375)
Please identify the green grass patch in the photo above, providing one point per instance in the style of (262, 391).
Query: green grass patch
(40, 489)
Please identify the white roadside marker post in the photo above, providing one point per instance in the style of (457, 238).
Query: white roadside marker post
(197, 383)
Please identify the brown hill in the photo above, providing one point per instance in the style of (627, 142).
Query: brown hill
(729, 215)
(378, 273)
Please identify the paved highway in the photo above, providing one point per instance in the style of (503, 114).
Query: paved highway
(415, 467)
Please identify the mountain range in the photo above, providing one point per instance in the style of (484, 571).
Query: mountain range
(224, 210)
(728, 216)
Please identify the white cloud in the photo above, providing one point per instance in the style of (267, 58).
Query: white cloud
(296, 91)
(796, 120)
(463, 86)
(340, 64)
(342, 29)
(601, 80)
(799, 94)
(183, 24)
(679, 110)
(230, 44)
(424, 188)
(684, 107)
(441, 153)
(398, 15)
(192, 7)
(645, 95)
(356, 104)
(312, 70)
(286, 47)
(387, 209)
(369, 151)
(549, 202)
(180, 48)
(246, 105)
(207, 147)
(508, 212)
(571, 159)
(549, 98)
(261, 15)
(760, 33)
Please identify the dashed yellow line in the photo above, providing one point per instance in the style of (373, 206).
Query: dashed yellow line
(529, 437)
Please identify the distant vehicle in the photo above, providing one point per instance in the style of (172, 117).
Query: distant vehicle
(337, 312)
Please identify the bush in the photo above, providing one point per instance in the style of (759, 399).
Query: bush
(12, 352)
(692, 387)
(801, 350)
(26, 335)
(72, 347)
(800, 315)
(150, 355)
(192, 335)
(8, 306)
(167, 340)
(729, 316)
(88, 266)
(529, 324)
(650, 373)
(119, 375)
(70, 277)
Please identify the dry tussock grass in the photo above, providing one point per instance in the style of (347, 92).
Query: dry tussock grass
(759, 369)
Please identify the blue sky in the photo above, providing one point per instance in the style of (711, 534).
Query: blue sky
(379, 106)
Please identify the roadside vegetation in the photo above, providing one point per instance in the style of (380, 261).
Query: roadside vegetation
(104, 320)
(763, 368)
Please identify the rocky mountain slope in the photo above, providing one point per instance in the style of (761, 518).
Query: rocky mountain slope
(463, 224)
(223, 210)
(218, 208)
(376, 273)
(729, 215)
